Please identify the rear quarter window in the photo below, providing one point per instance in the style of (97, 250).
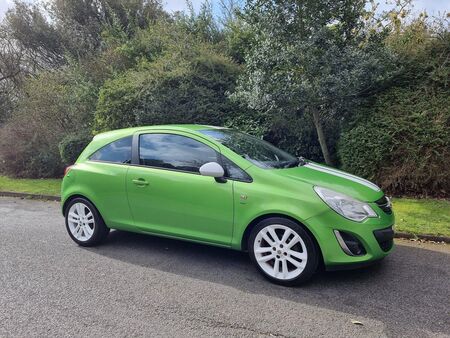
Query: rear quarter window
(115, 152)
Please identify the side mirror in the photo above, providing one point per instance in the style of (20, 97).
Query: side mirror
(212, 169)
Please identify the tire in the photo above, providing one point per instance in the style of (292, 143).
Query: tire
(89, 229)
(290, 259)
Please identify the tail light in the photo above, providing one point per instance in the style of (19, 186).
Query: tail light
(66, 171)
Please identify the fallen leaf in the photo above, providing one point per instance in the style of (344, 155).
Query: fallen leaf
(356, 322)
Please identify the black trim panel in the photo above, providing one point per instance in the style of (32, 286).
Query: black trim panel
(385, 238)
(135, 149)
(352, 266)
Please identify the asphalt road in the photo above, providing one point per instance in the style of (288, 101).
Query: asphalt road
(137, 285)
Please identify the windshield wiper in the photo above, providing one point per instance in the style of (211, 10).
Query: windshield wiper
(302, 161)
(291, 164)
(296, 163)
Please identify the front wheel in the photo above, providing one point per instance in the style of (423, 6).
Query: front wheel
(283, 251)
(84, 223)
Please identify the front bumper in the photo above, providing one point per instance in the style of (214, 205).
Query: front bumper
(374, 234)
(352, 266)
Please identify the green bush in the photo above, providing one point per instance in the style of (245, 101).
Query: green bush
(44, 116)
(71, 147)
(177, 89)
(25, 153)
(401, 139)
(403, 144)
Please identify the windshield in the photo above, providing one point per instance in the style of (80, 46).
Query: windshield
(255, 150)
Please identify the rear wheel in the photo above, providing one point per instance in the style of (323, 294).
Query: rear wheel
(84, 223)
(283, 251)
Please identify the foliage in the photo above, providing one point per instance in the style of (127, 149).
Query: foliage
(25, 153)
(316, 65)
(406, 151)
(72, 145)
(317, 78)
(402, 137)
(36, 36)
(238, 38)
(202, 24)
(29, 140)
(422, 47)
(127, 61)
(47, 33)
(5, 108)
(296, 135)
(28, 28)
(183, 81)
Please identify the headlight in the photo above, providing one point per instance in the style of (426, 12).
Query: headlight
(345, 205)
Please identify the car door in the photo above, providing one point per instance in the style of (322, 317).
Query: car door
(102, 178)
(167, 194)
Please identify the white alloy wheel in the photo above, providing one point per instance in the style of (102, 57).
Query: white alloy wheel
(81, 222)
(280, 252)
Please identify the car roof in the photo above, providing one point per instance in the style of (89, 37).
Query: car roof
(175, 127)
(104, 138)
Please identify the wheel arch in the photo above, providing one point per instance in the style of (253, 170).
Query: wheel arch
(254, 222)
(72, 197)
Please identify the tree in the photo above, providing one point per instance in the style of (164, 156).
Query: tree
(11, 73)
(81, 22)
(29, 139)
(179, 78)
(28, 28)
(310, 57)
(401, 137)
(49, 35)
(41, 36)
(202, 24)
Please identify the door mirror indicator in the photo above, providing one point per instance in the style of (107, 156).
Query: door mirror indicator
(212, 169)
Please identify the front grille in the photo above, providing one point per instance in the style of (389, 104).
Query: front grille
(384, 204)
(385, 238)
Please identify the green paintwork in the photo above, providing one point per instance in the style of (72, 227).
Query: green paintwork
(197, 208)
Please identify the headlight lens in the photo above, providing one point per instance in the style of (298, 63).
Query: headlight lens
(345, 205)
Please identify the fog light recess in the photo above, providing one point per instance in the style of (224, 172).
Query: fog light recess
(349, 243)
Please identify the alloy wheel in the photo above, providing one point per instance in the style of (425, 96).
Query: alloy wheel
(81, 222)
(280, 252)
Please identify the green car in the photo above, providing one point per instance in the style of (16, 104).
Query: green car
(221, 187)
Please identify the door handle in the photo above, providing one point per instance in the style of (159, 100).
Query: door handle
(140, 181)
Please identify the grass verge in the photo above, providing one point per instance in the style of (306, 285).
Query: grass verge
(422, 216)
(33, 186)
(415, 216)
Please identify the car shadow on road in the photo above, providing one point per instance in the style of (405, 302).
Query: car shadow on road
(411, 283)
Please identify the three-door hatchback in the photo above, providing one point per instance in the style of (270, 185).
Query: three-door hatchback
(222, 187)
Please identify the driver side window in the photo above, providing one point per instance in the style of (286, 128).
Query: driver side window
(175, 152)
